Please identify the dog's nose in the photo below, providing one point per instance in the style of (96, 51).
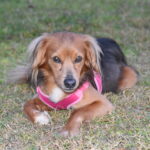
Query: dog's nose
(69, 83)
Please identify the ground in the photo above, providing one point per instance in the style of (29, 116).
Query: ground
(126, 21)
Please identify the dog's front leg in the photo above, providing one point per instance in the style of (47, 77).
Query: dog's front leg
(36, 111)
(86, 113)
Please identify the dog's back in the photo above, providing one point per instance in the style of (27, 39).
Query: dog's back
(113, 65)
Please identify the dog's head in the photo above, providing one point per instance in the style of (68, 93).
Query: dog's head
(64, 57)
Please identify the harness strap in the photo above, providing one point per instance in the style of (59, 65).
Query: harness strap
(71, 99)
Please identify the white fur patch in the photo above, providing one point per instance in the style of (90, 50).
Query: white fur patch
(56, 95)
(42, 118)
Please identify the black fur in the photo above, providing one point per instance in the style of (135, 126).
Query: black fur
(112, 61)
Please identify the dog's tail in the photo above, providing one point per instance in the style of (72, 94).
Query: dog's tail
(19, 75)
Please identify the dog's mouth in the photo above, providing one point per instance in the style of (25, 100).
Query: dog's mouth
(70, 90)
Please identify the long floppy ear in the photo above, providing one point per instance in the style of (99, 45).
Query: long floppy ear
(40, 54)
(37, 56)
(93, 52)
(37, 51)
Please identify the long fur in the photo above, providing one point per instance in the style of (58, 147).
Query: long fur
(97, 50)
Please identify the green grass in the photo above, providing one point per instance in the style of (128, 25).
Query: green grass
(126, 21)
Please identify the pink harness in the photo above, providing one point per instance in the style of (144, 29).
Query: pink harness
(71, 99)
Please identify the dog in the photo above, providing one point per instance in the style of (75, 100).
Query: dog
(73, 71)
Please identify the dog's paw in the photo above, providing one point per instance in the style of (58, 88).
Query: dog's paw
(42, 118)
(69, 132)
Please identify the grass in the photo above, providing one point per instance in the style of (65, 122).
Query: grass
(127, 22)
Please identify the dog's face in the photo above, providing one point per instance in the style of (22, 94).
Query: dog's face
(66, 64)
(67, 56)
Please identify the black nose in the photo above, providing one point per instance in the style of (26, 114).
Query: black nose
(69, 83)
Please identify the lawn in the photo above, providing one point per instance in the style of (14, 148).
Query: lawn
(126, 21)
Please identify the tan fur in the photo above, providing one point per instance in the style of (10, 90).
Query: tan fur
(86, 113)
(92, 105)
(128, 78)
(67, 46)
(93, 51)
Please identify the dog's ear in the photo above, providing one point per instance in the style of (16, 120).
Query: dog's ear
(37, 56)
(93, 51)
(37, 50)
(40, 54)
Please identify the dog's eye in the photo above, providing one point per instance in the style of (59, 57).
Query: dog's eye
(56, 59)
(78, 59)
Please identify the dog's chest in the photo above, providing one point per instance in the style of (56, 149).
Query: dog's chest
(56, 95)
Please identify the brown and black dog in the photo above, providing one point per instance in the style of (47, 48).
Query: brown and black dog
(61, 62)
